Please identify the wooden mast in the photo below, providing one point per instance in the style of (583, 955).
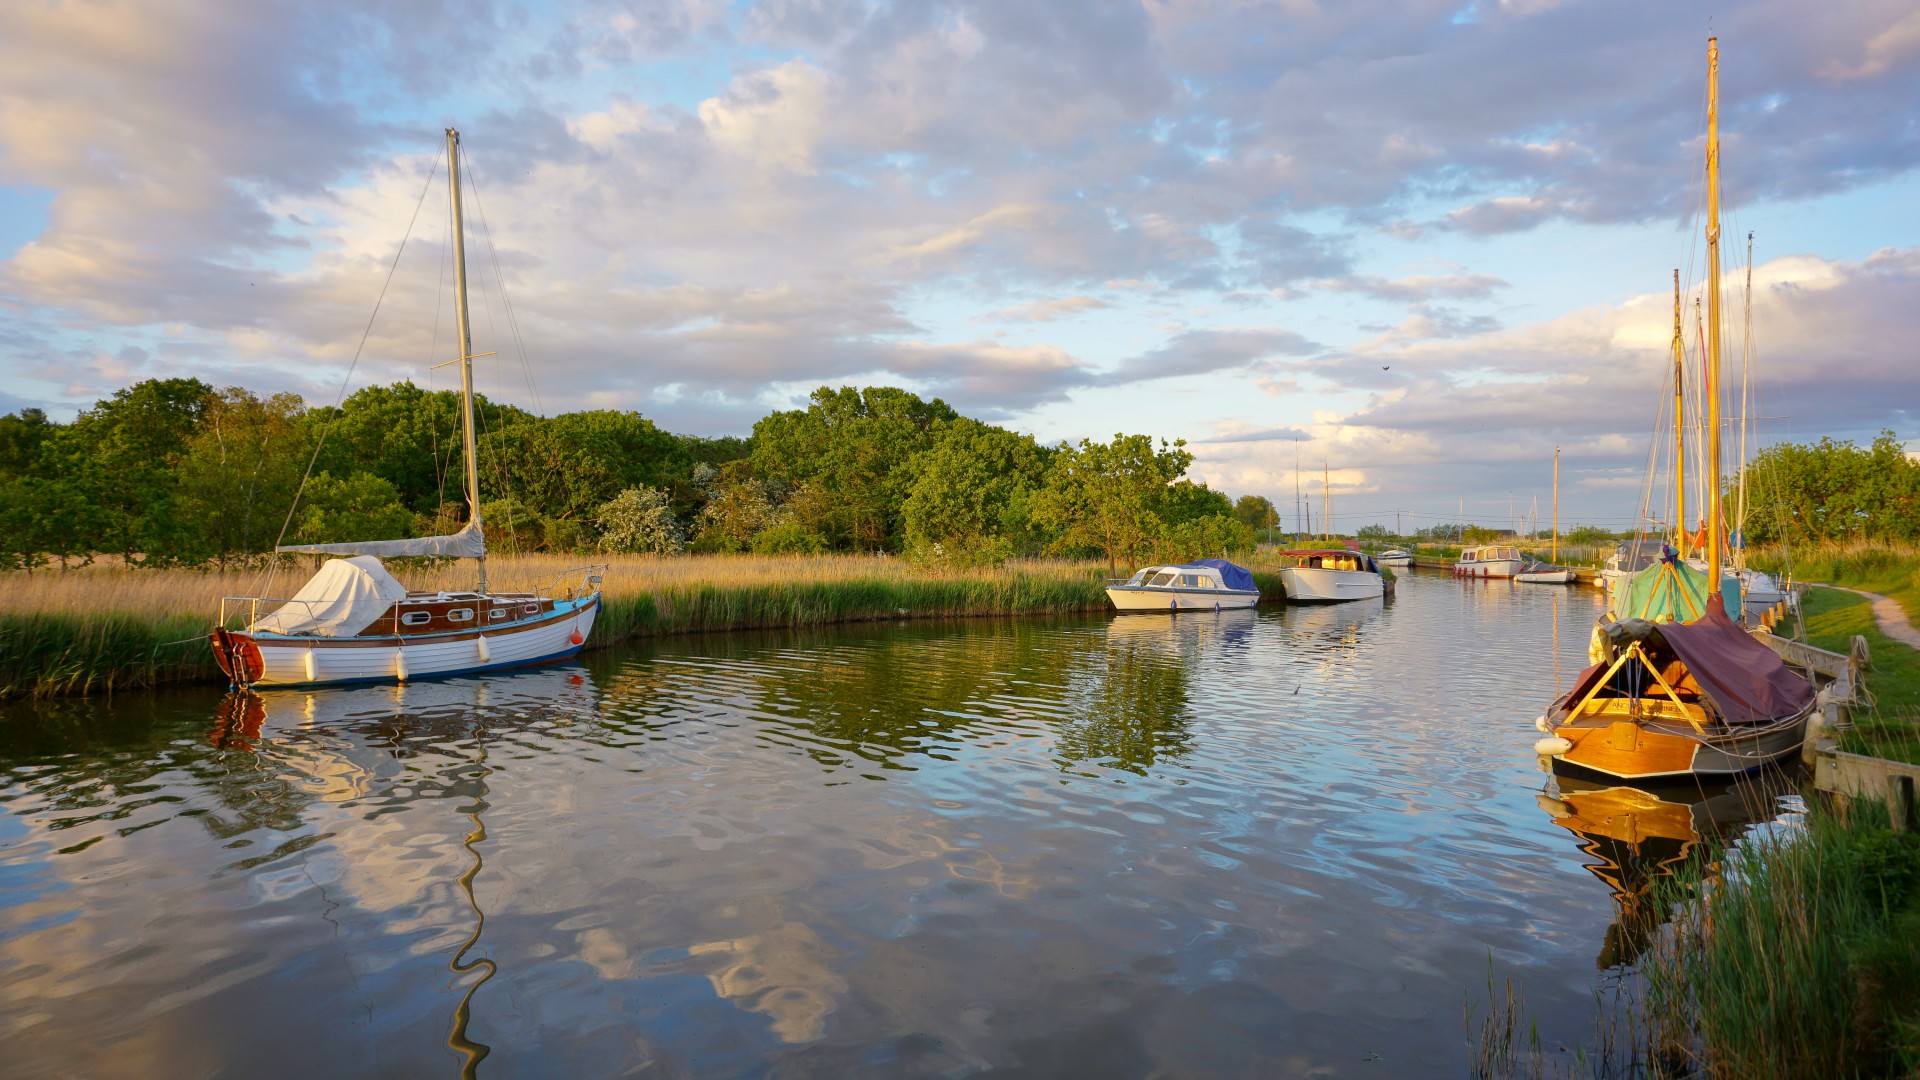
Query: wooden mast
(468, 440)
(1555, 557)
(1326, 503)
(1679, 422)
(1714, 539)
(1746, 411)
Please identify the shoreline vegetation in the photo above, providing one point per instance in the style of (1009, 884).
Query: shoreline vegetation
(100, 629)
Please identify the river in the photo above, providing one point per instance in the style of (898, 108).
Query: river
(1295, 842)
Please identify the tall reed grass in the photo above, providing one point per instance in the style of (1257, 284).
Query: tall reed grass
(1795, 953)
(101, 628)
(1890, 569)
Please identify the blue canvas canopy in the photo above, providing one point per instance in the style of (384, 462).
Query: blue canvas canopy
(1236, 577)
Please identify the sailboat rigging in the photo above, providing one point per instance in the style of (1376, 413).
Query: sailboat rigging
(354, 622)
(1677, 690)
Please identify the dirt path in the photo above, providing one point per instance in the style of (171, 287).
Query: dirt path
(1891, 617)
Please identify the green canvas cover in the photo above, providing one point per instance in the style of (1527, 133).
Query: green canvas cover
(1671, 591)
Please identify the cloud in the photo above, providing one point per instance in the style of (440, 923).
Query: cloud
(1276, 434)
(1040, 311)
(1199, 352)
(1417, 288)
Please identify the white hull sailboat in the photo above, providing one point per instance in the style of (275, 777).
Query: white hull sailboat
(354, 622)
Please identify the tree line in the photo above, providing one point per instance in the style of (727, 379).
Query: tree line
(1825, 491)
(174, 472)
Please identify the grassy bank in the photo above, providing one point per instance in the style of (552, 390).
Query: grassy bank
(1796, 953)
(1889, 725)
(101, 628)
(1888, 569)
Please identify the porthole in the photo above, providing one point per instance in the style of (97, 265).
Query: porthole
(531, 609)
(416, 618)
(497, 614)
(460, 614)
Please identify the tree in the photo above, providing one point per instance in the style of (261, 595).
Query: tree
(640, 520)
(738, 506)
(1828, 490)
(972, 493)
(239, 473)
(1374, 532)
(1106, 496)
(359, 506)
(1256, 512)
(844, 457)
(119, 458)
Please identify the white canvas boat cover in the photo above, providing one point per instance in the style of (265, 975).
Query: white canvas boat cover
(468, 543)
(340, 601)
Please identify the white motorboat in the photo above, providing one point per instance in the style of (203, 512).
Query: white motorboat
(1489, 561)
(1330, 575)
(1394, 557)
(353, 622)
(1202, 585)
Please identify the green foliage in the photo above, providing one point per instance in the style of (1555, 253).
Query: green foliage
(239, 472)
(1256, 512)
(1828, 491)
(640, 521)
(1207, 537)
(1105, 497)
(359, 506)
(789, 538)
(738, 506)
(1589, 534)
(972, 493)
(845, 456)
(1374, 532)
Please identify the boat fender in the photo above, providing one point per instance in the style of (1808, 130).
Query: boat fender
(313, 669)
(400, 664)
(1542, 724)
(575, 638)
(1173, 605)
(1552, 746)
(486, 654)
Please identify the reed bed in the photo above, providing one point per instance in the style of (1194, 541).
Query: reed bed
(101, 628)
(1890, 569)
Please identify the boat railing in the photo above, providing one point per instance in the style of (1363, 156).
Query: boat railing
(252, 606)
(577, 581)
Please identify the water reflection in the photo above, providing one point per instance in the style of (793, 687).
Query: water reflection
(1641, 839)
(1257, 843)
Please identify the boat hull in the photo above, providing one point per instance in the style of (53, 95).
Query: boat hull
(270, 660)
(1490, 568)
(1319, 585)
(1665, 750)
(1151, 598)
(1545, 577)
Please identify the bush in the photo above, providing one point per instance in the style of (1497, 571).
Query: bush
(640, 521)
(789, 538)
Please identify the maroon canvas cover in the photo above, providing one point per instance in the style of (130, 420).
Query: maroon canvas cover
(1747, 681)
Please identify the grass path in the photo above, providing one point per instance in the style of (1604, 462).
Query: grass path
(1891, 617)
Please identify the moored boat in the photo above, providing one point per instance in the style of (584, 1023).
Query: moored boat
(1201, 585)
(1535, 572)
(1677, 689)
(1330, 575)
(1489, 561)
(1394, 557)
(354, 622)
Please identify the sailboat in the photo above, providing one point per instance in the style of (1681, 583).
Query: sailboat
(1677, 689)
(1536, 572)
(354, 622)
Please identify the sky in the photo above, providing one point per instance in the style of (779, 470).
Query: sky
(1411, 246)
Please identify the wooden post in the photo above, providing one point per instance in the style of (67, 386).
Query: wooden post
(1900, 803)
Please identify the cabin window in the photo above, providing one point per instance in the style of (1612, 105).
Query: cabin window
(1161, 579)
(1189, 581)
(531, 609)
(460, 614)
(497, 614)
(1137, 578)
(416, 618)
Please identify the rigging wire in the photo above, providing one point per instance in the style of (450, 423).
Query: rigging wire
(347, 380)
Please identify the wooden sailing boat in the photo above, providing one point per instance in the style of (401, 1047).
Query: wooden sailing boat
(1678, 689)
(353, 622)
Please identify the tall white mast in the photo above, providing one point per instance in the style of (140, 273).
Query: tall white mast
(466, 341)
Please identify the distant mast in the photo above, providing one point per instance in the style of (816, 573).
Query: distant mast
(1714, 539)
(1555, 556)
(465, 342)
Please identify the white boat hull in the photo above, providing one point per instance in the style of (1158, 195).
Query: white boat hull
(1308, 584)
(1545, 577)
(1490, 568)
(322, 661)
(1163, 598)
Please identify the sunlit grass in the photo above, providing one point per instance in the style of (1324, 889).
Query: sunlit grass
(102, 627)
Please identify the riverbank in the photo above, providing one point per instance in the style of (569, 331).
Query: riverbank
(99, 629)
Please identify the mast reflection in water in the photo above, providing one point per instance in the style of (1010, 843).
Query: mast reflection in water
(1253, 844)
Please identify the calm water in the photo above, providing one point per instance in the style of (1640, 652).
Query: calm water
(1227, 845)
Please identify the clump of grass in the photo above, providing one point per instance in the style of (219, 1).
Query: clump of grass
(1890, 569)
